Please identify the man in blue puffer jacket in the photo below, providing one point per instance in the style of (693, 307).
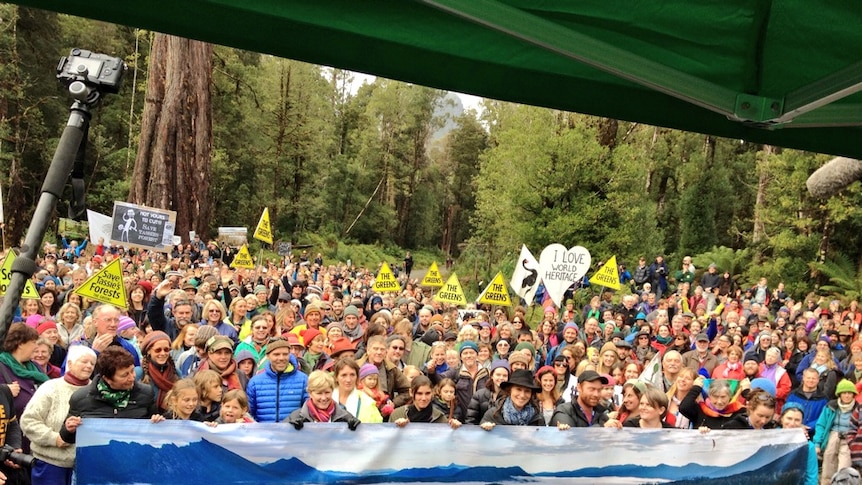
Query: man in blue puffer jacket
(280, 388)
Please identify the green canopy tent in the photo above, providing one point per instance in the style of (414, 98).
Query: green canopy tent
(784, 73)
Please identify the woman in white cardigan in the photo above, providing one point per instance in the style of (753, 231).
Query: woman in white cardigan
(46, 413)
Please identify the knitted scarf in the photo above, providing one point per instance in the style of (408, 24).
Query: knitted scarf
(730, 367)
(228, 375)
(27, 370)
(354, 334)
(321, 415)
(117, 399)
(514, 417)
(163, 376)
(846, 408)
(68, 377)
(708, 409)
(663, 340)
(415, 415)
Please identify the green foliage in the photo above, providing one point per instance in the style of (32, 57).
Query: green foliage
(844, 276)
(361, 173)
(725, 259)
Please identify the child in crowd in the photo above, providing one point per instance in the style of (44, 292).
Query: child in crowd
(234, 408)
(444, 398)
(208, 383)
(182, 401)
(246, 362)
(411, 372)
(453, 359)
(368, 383)
(607, 394)
(438, 358)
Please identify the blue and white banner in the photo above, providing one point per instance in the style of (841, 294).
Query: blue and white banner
(118, 451)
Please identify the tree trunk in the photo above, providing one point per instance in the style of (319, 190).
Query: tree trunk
(758, 234)
(172, 168)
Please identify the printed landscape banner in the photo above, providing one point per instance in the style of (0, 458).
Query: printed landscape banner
(119, 451)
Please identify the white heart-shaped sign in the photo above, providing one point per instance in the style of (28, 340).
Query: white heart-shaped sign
(560, 267)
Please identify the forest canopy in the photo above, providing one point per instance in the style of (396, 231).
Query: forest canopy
(372, 165)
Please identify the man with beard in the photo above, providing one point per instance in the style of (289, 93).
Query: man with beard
(585, 411)
(352, 328)
(181, 311)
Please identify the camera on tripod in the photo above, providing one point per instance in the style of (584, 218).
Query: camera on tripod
(21, 459)
(104, 73)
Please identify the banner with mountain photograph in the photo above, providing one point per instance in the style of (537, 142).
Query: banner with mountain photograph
(120, 451)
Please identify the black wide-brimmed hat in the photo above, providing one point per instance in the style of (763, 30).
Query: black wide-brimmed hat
(523, 378)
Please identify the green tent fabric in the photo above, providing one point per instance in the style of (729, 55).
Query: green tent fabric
(785, 73)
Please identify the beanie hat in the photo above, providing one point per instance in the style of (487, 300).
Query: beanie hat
(545, 369)
(608, 346)
(351, 310)
(571, 325)
(259, 289)
(205, 332)
(125, 324)
(845, 386)
(468, 345)
(500, 363)
(272, 345)
(526, 345)
(151, 339)
(33, 321)
(311, 308)
(367, 370)
(45, 326)
(611, 381)
(518, 357)
(308, 335)
(77, 351)
(765, 385)
(641, 316)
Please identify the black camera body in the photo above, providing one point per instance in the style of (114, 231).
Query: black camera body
(98, 71)
(21, 459)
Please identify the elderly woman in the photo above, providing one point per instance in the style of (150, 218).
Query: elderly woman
(114, 393)
(719, 410)
(518, 407)
(357, 403)
(320, 407)
(42, 359)
(46, 414)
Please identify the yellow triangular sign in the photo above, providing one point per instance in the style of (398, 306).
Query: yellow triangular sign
(432, 278)
(242, 259)
(385, 282)
(106, 286)
(29, 293)
(452, 292)
(608, 275)
(264, 230)
(496, 293)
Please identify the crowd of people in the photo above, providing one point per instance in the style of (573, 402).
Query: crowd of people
(299, 341)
